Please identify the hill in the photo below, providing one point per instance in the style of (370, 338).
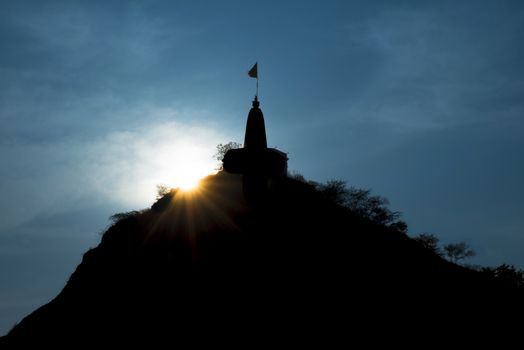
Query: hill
(204, 265)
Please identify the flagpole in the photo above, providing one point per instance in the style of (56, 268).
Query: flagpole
(253, 73)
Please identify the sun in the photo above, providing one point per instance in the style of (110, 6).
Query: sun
(187, 170)
(188, 185)
(189, 181)
(169, 156)
(183, 165)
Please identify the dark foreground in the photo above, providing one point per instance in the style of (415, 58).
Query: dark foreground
(207, 268)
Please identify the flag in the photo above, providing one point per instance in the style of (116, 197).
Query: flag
(253, 72)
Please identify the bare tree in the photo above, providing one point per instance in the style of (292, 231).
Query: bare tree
(222, 150)
(458, 251)
(429, 241)
(162, 190)
(361, 202)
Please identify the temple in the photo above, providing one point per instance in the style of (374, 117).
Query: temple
(255, 160)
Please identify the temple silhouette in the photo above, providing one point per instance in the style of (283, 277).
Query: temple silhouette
(259, 165)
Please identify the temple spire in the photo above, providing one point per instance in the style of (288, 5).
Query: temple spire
(255, 161)
(255, 137)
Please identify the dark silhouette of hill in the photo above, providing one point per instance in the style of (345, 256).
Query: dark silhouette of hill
(205, 267)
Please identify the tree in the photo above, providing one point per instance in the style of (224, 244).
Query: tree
(429, 241)
(362, 203)
(299, 177)
(510, 274)
(222, 150)
(162, 190)
(122, 216)
(458, 251)
(336, 191)
(507, 274)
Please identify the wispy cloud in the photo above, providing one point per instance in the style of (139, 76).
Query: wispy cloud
(121, 167)
(442, 67)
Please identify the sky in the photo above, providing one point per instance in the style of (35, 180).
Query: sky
(101, 101)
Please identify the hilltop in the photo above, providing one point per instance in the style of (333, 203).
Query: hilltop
(204, 263)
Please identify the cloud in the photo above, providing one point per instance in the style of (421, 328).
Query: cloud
(66, 68)
(120, 167)
(442, 67)
(94, 106)
(126, 166)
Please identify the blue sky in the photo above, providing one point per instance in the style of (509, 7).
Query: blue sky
(421, 101)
